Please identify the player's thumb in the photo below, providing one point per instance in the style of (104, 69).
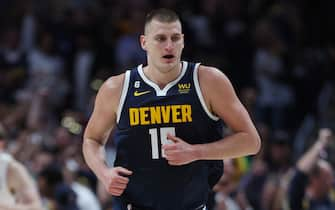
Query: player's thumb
(124, 171)
(173, 138)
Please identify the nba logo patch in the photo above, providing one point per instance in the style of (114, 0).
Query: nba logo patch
(137, 84)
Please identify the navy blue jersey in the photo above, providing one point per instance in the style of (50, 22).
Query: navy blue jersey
(145, 116)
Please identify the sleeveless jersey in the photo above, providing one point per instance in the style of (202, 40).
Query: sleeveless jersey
(145, 116)
(5, 194)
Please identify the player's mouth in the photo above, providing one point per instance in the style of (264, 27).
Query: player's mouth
(168, 57)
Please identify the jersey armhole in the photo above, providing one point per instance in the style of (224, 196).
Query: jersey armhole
(200, 95)
(123, 95)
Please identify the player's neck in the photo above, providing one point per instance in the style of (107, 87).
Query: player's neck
(162, 77)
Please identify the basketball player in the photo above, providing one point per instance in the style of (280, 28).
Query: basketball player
(167, 120)
(17, 189)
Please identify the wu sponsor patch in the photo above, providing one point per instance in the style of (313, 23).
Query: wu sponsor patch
(184, 88)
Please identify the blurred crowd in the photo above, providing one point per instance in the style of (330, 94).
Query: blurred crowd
(279, 55)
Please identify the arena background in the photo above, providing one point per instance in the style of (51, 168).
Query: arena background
(54, 55)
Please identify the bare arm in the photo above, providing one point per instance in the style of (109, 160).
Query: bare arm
(26, 194)
(101, 123)
(221, 99)
(310, 158)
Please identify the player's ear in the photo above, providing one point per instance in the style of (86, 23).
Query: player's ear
(182, 36)
(143, 42)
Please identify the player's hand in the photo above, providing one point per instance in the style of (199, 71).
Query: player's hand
(116, 180)
(324, 137)
(179, 152)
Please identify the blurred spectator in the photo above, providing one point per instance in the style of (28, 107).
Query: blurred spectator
(253, 181)
(85, 198)
(309, 76)
(275, 96)
(40, 160)
(46, 72)
(28, 27)
(312, 184)
(128, 50)
(17, 188)
(268, 174)
(226, 188)
(66, 198)
(12, 64)
(279, 161)
(83, 71)
(280, 56)
(55, 192)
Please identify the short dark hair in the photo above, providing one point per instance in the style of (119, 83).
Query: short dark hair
(162, 15)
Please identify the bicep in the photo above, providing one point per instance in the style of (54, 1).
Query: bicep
(233, 113)
(102, 119)
(226, 105)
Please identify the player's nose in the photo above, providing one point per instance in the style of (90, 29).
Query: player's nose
(168, 45)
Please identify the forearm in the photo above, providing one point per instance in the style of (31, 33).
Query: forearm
(308, 160)
(236, 145)
(94, 154)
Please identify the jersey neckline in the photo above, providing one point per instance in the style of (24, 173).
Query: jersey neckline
(159, 91)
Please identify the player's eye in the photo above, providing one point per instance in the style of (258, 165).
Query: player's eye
(160, 38)
(175, 38)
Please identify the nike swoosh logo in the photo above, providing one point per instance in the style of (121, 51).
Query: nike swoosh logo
(136, 93)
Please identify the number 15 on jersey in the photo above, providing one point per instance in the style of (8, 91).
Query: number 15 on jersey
(163, 132)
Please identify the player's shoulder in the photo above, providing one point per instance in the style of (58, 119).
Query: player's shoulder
(211, 75)
(112, 86)
(114, 82)
(110, 91)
